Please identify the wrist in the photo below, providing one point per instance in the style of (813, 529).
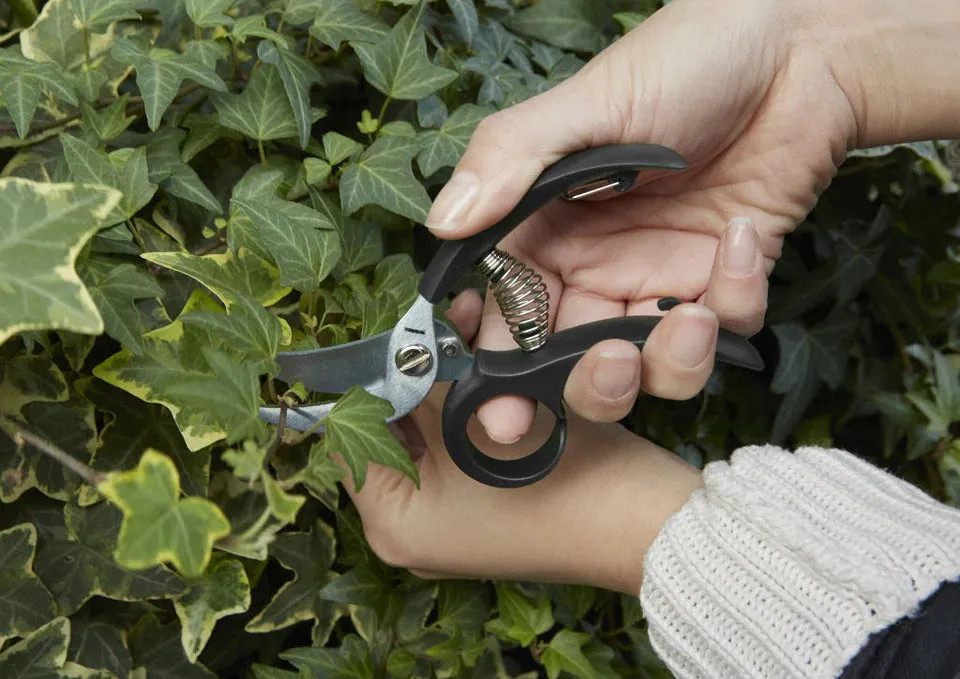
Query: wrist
(898, 63)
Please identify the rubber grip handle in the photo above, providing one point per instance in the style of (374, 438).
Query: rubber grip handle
(542, 376)
(454, 258)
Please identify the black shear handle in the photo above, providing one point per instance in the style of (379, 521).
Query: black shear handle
(542, 375)
(618, 162)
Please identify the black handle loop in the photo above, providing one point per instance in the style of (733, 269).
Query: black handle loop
(542, 375)
(623, 161)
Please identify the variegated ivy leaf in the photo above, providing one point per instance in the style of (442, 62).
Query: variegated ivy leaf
(358, 432)
(44, 227)
(25, 604)
(160, 72)
(58, 38)
(208, 13)
(444, 147)
(298, 75)
(22, 82)
(337, 21)
(221, 591)
(174, 176)
(262, 111)
(300, 241)
(96, 15)
(27, 378)
(158, 525)
(43, 655)
(80, 565)
(100, 646)
(399, 66)
(115, 288)
(158, 649)
(124, 169)
(568, 24)
(383, 176)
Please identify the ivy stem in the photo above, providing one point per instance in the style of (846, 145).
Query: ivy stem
(383, 111)
(86, 45)
(137, 238)
(301, 437)
(263, 156)
(22, 437)
(278, 434)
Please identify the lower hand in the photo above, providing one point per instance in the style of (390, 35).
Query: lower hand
(590, 521)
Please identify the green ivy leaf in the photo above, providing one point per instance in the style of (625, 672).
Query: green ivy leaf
(465, 14)
(109, 122)
(338, 147)
(569, 24)
(365, 586)
(264, 672)
(520, 619)
(100, 646)
(352, 660)
(114, 289)
(81, 565)
(25, 604)
(357, 430)
(397, 275)
(318, 171)
(361, 242)
(398, 66)
(444, 147)
(629, 20)
(564, 654)
(283, 505)
(262, 111)
(158, 649)
(337, 21)
(171, 172)
(383, 176)
(309, 556)
(251, 332)
(28, 378)
(209, 13)
(158, 525)
(380, 313)
(160, 72)
(223, 590)
(96, 15)
(39, 282)
(21, 83)
(298, 74)
(43, 655)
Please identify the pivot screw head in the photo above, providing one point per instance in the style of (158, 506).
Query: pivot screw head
(450, 348)
(414, 360)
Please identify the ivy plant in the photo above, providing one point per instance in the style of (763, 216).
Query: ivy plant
(190, 186)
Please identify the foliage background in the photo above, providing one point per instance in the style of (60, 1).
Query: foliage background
(229, 178)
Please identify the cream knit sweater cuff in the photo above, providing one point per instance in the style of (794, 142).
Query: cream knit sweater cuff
(785, 563)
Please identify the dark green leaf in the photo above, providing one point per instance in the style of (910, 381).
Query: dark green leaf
(383, 176)
(352, 660)
(99, 645)
(336, 21)
(25, 604)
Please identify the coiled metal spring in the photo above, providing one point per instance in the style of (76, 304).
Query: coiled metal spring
(521, 295)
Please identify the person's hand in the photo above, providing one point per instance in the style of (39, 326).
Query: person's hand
(763, 126)
(590, 521)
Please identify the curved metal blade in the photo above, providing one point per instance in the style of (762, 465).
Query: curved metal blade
(370, 363)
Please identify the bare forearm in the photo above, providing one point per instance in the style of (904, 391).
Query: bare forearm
(898, 61)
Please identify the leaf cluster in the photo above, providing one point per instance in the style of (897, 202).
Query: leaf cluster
(190, 186)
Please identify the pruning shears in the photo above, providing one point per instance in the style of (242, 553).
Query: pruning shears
(401, 365)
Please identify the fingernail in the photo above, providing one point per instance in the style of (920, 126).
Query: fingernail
(615, 373)
(453, 201)
(740, 245)
(691, 341)
(490, 425)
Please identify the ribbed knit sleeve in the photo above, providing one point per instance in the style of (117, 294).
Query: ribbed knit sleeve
(785, 563)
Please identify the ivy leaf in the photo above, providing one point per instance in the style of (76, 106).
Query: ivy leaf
(209, 13)
(300, 240)
(357, 430)
(43, 655)
(157, 524)
(398, 66)
(96, 15)
(309, 556)
(173, 175)
(629, 20)
(318, 171)
(569, 24)
(283, 505)
(252, 25)
(46, 227)
(352, 660)
(223, 590)
(55, 37)
(564, 654)
(159, 650)
(298, 74)
(361, 586)
(444, 147)
(109, 122)
(124, 169)
(69, 425)
(465, 14)
(383, 176)
(114, 289)
(28, 378)
(160, 72)
(338, 147)
(336, 21)
(25, 604)
(264, 672)
(380, 313)
(99, 645)
(520, 619)
(361, 242)
(21, 83)
(461, 605)
(397, 274)
(431, 112)
(81, 565)
(262, 111)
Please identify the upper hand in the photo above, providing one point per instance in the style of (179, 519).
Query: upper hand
(763, 126)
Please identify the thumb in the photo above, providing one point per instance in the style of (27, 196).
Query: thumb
(511, 148)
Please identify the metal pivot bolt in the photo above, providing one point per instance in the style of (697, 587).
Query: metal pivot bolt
(414, 360)
(450, 348)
